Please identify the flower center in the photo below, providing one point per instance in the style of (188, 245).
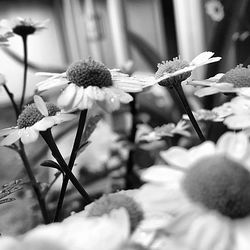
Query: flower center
(86, 73)
(221, 184)
(30, 115)
(24, 30)
(239, 77)
(115, 201)
(171, 67)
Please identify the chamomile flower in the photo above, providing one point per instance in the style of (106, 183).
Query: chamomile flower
(87, 82)
(23, 26)
(207, 191)
(178, 70)
(236, 80)
(38, 116)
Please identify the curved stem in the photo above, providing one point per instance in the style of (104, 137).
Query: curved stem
(72, 158)
(34, 183)
(183, 99)
(48, 138)
(25, 62)
(11, 96)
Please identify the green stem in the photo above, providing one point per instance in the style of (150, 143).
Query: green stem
(48, 138)
(25, 62)
(11, 96)
(73, 155)
(183, 99)
(34, 183)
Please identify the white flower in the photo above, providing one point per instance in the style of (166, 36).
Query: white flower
(179, 70)
(87, 82)
(215, 10)
(236, 80)
(35, 117)
(23, 26)
(207, 190)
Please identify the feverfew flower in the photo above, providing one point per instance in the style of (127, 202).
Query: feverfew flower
(38, 116)
(236, 80)
(208, 192)
(87, 82)
(23, 26)
(215, 10)
(178, 70)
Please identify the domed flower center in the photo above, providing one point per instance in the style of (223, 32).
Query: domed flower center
(24, 30)
(31, 115)
(221, 184)
(171, 67)
(86, 73)
(239, 77)
(115, 201)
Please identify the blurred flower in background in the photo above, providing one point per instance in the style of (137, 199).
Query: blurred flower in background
(215, 10)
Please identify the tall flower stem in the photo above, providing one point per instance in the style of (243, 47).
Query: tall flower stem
(34, 183)
(25, 62)
(72, 158)
(11, 96)
(178, 88)
(48, 138)
(130, 161)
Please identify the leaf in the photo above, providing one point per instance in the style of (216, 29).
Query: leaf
(8, 189)
(51, 164)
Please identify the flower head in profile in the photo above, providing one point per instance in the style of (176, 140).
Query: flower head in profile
(23, 26)
(208, 192)
(88, 82)
(215, 10)
(178, 70)
(38, 116)
(236, 80)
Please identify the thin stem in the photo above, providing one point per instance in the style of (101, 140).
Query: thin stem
(130, 161)
(48, 138)
(183, 99)
(35, 185)
(11, 96)
(72, 158)
(25, 62)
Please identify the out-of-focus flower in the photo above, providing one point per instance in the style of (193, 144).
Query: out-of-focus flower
(207, 189)
(215, 10)
(23, 26)
(236, 80)
(35, 117)
(178, 70)
(87, 82)
(240, 116)
(5, 33)
(2, 79)
(108, 232)
(167, 130)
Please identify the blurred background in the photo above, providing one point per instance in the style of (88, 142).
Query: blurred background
(116, 32)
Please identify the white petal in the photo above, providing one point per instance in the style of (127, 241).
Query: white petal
(239, 121)
(29, 135)
(59, 118)
(95, 93)
(241, 234)
(7, 131)
(78, 96)
(128, 86)
(119, 94)
(67, 97)
(206, 91)
(11, 138)
(202, 58)
(85, 102)
(244, 91)
(44, 124)
(41, 106)
(51, 83)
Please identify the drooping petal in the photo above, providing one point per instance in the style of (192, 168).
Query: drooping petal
(7, 131)
(238, 121)
(121, 95)
(206, 91)
(41, 106)
(29, 135)
(12, 137)
(78, 96)
(66, 98)
(95, 93)
(44, 124)
(59, 118)
(53, 82)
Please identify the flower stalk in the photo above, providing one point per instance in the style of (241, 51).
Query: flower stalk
(48, 138)
(73, 155)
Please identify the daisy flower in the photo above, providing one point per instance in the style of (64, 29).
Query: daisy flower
(38, 116)
(234, 81)
(87, 82)
(178, 70)
(215, 10)
(23, 26)
(207, 190)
